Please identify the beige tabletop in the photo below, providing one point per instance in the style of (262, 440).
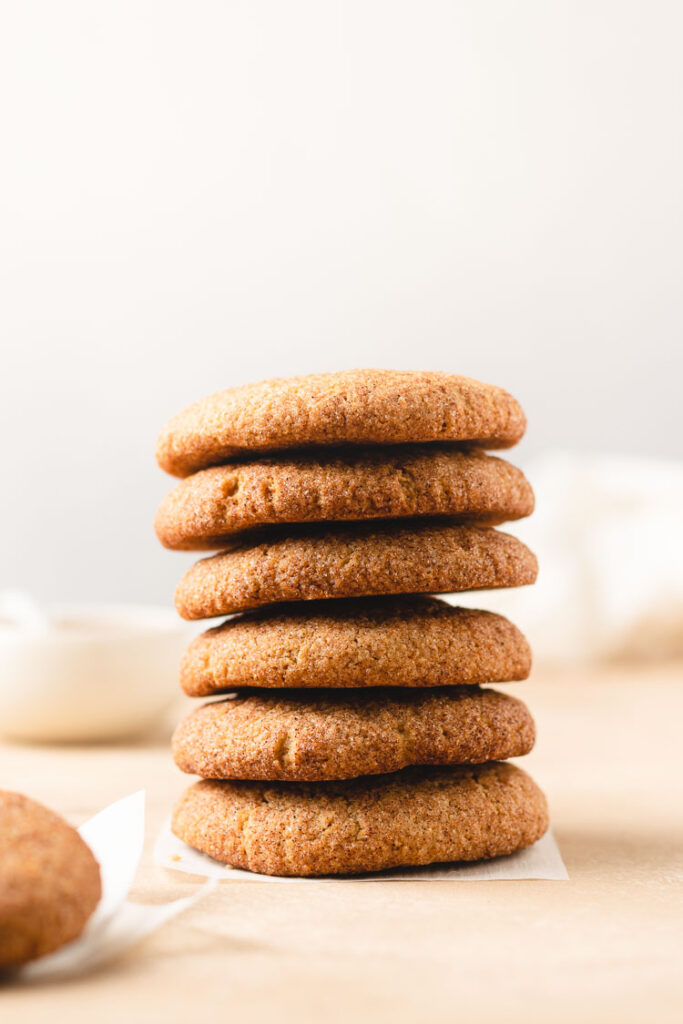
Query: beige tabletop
(604, 946)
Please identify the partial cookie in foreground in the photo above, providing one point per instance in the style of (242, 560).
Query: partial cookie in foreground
(314, 735)
(414, 817)
(350, 407)
(354, 561)
(49, 881)
(384, 483)
(366, 642)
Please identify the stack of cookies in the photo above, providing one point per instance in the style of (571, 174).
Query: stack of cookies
(353, 733)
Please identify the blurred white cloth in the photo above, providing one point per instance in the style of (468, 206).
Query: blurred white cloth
(608, 533)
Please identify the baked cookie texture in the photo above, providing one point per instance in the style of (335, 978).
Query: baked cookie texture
(350, 407)
(211, 505)
(354, 561)
(355, 736)
(414, 817)
(49, 881)
(315, 735)
(411, 641)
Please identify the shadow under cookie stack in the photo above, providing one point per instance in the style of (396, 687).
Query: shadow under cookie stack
(353, 734)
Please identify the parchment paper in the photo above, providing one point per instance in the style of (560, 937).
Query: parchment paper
(116, 837)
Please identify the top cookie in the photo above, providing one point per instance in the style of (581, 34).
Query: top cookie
(350, 407)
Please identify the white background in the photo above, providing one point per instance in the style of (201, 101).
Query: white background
(196, 194)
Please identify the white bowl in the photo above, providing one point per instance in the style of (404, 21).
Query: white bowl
(97, 672)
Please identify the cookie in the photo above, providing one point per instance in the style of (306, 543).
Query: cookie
(314, 735)
(49, 881)
(354, 561)
(215, 503)
(388, 641)
(413, 817)
(351, 407)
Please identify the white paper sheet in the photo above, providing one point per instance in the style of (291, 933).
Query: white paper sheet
(116, 837)
(542, 860)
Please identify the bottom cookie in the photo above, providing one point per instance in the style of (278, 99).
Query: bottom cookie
(414, 817)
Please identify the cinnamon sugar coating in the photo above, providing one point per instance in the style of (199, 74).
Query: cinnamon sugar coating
(382, 483)
(49, 881)
(411, 641)
(315, 735)
(354, 561)
(350, 407)
(413, 817)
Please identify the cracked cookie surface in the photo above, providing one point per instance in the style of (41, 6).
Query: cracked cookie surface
(350, 407)
(415, 480)
(353, 561)
(413, 817)
(411, 641)
(316, 735)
